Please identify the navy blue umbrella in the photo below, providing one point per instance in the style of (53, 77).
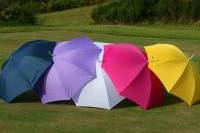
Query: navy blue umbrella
(24, 67)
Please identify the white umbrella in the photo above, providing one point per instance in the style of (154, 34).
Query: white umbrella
(100, 92)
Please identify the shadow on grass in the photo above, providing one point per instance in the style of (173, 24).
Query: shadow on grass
(170, 99)
(31, 97)
(125, 104)
(64, 102)
(27, 97)
(197, 103)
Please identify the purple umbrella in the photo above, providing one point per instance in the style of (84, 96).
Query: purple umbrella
(74, 66)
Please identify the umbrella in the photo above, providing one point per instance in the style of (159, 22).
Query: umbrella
(24, 67)
(127, 67)
(100, 92)
(74, 66)
(178, 73)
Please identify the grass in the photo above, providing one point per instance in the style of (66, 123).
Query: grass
(29, 115)
(73, 16)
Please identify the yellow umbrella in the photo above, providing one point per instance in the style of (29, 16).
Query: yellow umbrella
(178, 73)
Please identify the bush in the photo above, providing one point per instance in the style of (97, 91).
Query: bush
(52, 5)
(116, 12)
(22, 12)
(100, 1)
(3, 4)
(59, 5)
(134, 11)
(195, 9)
(25, 11)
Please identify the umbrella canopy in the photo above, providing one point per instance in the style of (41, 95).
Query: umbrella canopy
(24, 67)
(127, 67)
(178, 73)
(100, 92)
(74, 66)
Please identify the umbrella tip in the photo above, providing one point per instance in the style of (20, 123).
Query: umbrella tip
(191, 56)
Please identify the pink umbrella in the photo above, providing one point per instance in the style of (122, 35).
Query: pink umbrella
(127, 66)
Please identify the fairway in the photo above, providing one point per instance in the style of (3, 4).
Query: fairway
(28, 115)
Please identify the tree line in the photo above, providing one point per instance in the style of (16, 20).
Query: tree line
(148, 11)
(107, 11)
(25, 11)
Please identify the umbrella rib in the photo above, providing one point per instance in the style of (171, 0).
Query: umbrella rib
(70, 88)
(162, 61)
(136, 76)
(62, 82)
(179, 76)
(77, 66)
(74, 49)
(23, 75)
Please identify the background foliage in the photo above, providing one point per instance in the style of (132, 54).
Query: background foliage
(135, 11)
(25, 11)
(108, 11)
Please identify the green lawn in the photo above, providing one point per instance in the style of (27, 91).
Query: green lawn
(30, 116)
